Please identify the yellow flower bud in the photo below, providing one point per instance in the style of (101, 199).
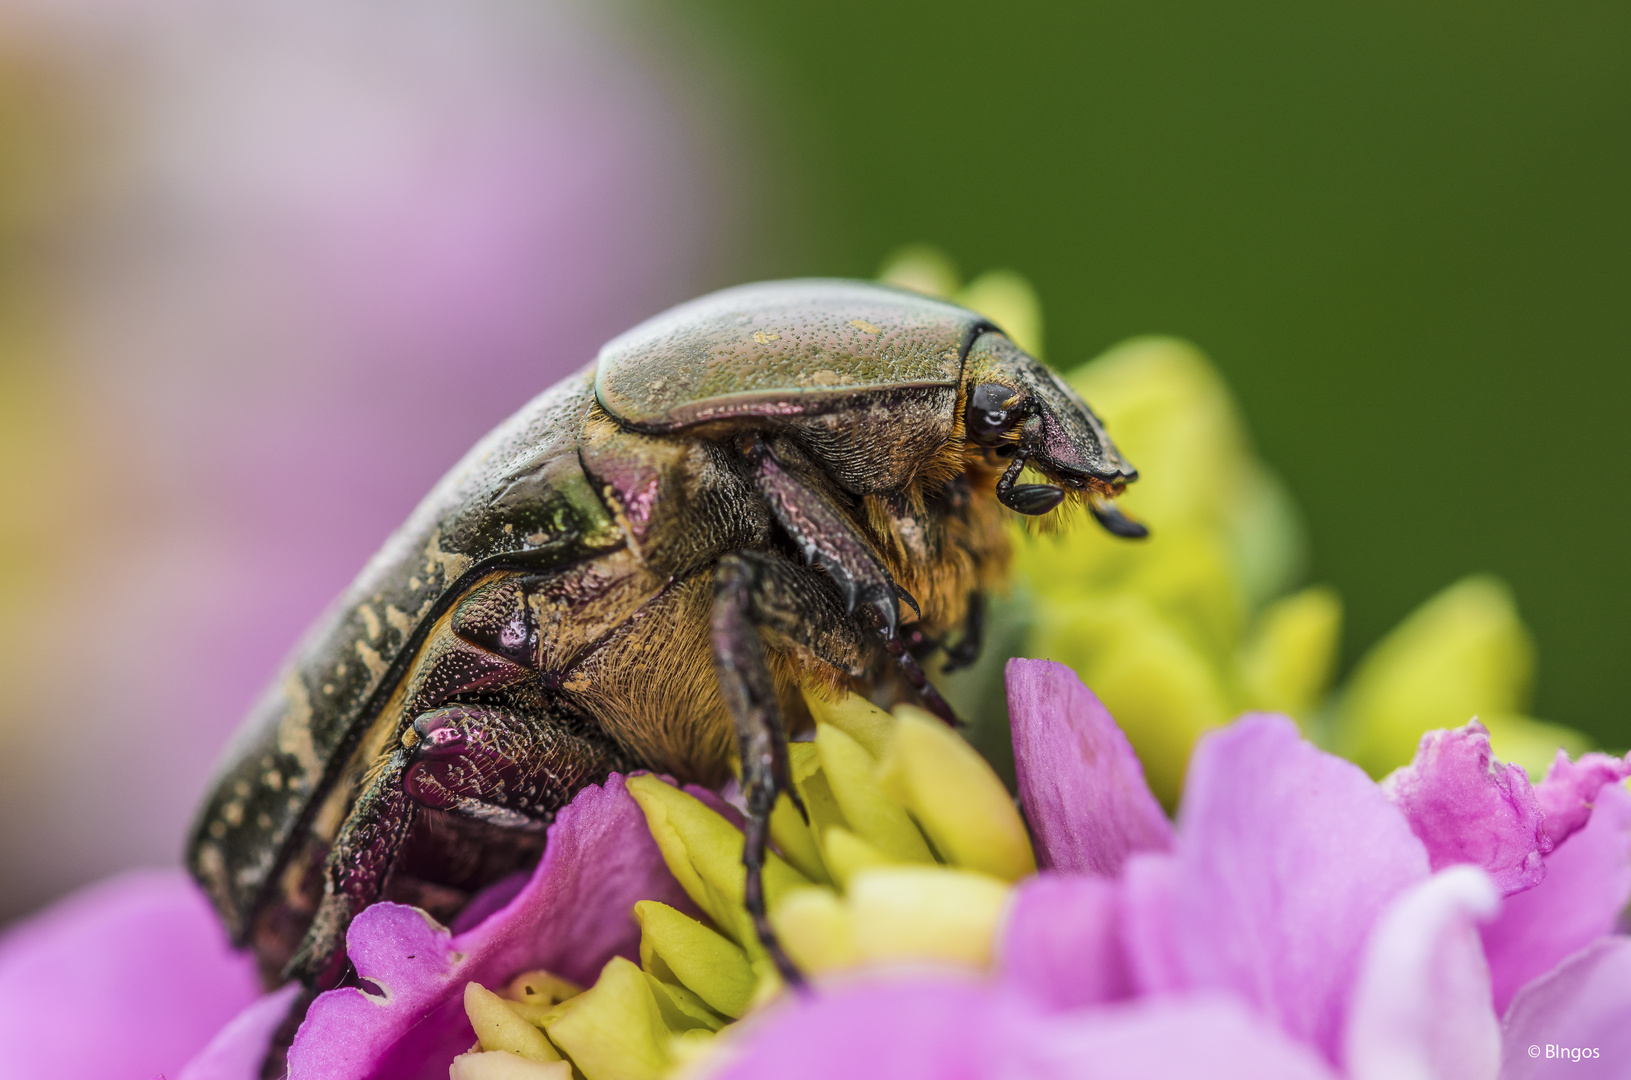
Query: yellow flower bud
(681, 1009)
(794, 840)
(873, 816)
(815, 928)
(1463, 653)
(925, 913)
(817, 794)
(847, 853)
(704, 853)
(614, 1030)
(678, 949)
(499, 1027)
(502, 1065)
(532, 994)
(540, 986)
(1285, 665)
(856, 717)
(956, 797)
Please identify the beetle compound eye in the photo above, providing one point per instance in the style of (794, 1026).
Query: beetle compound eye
(994, 410)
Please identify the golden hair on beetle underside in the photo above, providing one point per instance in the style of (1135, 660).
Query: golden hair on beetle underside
(942, 558)
(654, 687)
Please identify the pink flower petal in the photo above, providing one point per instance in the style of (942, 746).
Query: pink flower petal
(1574, 1021)
(573, 916)
(489, 901)
(1588, 883)
(1422, 1004)
(1567, 793)
(1149, 912)
(1469, 808)
(1080, 783)
(953, 1028)
(129, 977)
(1286, 857)
(239, 1049)
(1060, 943)
(1161, 1039)
(906, 1029)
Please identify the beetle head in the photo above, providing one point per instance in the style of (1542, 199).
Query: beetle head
(1016, 407)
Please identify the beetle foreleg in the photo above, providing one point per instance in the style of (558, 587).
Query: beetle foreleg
(486, 763)
(913, 674)
(827, 539)
(750, 695)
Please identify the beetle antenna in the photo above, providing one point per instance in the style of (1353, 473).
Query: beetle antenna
(1116, 523)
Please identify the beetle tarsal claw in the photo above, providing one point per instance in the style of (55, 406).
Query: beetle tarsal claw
(1109, 515)
(911, 601)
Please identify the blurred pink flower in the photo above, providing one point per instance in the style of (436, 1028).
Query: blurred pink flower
(129, 977)
(332, 244)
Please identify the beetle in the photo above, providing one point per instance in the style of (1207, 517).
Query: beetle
(638, 570)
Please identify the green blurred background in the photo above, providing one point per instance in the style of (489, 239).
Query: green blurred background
(1401, 230)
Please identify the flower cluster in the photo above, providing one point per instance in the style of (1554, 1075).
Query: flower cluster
(1180, 633)
(1200, 623)
(1300, 920)
(908, 855)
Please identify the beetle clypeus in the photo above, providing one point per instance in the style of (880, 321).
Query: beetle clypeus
(638, 570)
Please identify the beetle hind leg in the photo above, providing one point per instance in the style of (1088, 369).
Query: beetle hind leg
(501, 767)
(488, 764)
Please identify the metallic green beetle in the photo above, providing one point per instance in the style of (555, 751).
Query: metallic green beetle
(636, 570)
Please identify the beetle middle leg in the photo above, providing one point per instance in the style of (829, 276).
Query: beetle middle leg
(750, 695)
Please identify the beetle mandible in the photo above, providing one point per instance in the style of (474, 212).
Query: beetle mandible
(638, 570)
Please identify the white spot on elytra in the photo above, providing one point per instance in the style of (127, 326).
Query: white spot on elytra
(371, 660)
(398, 621)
